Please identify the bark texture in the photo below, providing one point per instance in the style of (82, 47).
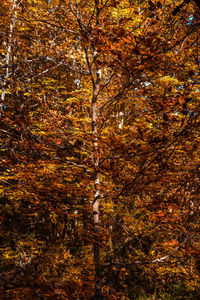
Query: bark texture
(8, 54)
(96, 201)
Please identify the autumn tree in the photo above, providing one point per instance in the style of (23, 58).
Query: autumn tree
(100, 141)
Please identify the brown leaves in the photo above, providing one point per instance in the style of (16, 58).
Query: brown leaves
(147, 142)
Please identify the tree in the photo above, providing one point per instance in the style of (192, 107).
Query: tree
(100, 149)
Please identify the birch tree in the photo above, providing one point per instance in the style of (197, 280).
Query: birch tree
(8, 53)
(100, 166)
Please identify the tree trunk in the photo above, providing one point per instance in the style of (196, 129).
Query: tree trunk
(96, 200)
(8, 55)
(96, 79)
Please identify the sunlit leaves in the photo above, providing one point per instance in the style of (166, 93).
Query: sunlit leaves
(148, 140)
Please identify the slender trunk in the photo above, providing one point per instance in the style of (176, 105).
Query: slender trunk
(97, 192)
(96, 200)
(8, 54)
(94, 118)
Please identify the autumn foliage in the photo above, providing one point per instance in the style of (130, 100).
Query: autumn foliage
(100, 144)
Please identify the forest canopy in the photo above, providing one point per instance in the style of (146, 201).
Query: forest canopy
(99, 149)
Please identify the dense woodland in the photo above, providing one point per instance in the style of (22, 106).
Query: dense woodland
(100, 149)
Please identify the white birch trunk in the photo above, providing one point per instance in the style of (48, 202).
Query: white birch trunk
(8, 54)
(96, 200)
(94, 118)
